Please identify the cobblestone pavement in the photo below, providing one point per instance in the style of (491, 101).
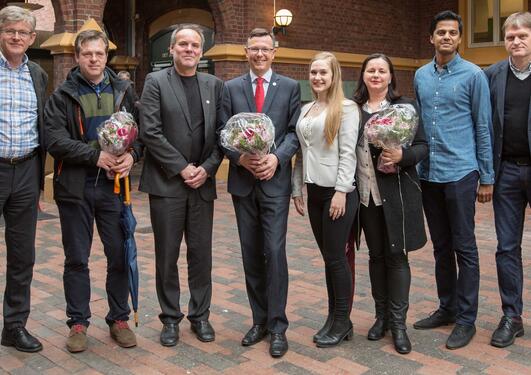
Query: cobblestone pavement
(231, 315)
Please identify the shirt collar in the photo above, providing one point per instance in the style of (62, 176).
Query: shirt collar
(5, 64)
(516, 70)
(449, 67)
(266, 76)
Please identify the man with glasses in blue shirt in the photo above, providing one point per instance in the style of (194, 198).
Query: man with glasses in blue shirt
(453, 97)
(22, 94)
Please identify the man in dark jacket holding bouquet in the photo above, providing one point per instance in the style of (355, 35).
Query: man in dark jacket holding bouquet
(82, 190)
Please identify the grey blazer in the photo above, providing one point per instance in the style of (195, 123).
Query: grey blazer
(327, 165)
(497, 76)
(282, 105)
(165, 131)
(40, 80)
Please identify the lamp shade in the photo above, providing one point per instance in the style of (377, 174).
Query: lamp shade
(283, 17)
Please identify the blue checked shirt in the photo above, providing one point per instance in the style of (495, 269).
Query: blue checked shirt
(19, 135)
(456, 113)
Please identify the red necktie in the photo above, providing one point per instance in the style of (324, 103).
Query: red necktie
(259, 94)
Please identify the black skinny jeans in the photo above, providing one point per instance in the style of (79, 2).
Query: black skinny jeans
(331, 236)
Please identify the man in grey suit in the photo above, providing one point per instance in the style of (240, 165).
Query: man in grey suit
(510, 93)
(261, 188)
(178, 127)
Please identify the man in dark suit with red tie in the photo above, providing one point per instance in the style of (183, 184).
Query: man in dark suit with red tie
(261, 188)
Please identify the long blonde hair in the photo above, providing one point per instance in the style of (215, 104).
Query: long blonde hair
(334, 97)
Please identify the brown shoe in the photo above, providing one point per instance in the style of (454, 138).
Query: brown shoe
(122, 334)
(77, 339)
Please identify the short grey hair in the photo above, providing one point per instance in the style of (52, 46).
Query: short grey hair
(519, 19)
(11, 14)
(187, 26)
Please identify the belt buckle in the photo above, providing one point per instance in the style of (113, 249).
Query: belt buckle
(522, 163)
(12, 161)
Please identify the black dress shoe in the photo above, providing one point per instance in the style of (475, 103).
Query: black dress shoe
(255, 335)
(324, 329)
(203, 330)
(278, 345)
(460, 336)
(401, 341)
(21, 339)
(169, 334)
(377, 331)
(337, 333)
(437, 319)
(508, 329)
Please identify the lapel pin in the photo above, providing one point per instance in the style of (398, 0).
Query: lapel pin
(274, 83)
(208, 102)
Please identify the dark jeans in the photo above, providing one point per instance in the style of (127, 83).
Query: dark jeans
(19, 197)
(262, 226)
(173, 217)
(331, 236)
(389, 272)
(512, 193)
(450, 210)
(77, 226)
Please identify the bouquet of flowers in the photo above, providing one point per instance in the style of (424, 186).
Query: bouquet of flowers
(117, 134)
(390, 128)
(250, 133)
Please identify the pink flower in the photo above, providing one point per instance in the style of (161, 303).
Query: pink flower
(248, 133)
(122, 132)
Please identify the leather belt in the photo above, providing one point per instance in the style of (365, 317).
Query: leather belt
(519, 160)
(20, 159)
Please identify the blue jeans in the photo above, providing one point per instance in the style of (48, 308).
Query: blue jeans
(512, 193)
(450, 210)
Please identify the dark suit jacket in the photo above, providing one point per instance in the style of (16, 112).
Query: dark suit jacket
(40, 80)
(165, 131)
(282, 105)
(497, 76)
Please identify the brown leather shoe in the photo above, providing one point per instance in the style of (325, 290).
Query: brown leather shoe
(122, 334)
(77, 339)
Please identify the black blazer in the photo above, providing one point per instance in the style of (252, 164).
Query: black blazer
(40, 80)
(165, 131)
(497, 76)
(401, 193)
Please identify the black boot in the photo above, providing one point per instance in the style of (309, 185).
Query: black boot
(377, 274)
(399, 281)
(339, 331)
(331, 302)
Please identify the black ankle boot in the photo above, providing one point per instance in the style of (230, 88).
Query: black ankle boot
(377, 331)
(324, 329)
(401, 341)
(339, 331)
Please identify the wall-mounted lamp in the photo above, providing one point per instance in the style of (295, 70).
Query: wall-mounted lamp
(283, 19)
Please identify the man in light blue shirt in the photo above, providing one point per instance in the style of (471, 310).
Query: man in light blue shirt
(453, 97)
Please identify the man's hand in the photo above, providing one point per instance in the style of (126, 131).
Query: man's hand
(189, 172)
(299, 204)
(266, 167)
(124, 163)
(391, 156)
(485, 193)
(338, 205)
(249, 162)
(106, 161)
(198, 178)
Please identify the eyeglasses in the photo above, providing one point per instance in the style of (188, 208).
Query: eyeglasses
(21, 33)
(256, 50)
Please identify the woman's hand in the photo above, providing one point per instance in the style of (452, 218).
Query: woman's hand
(299, 204)
(337, 205)
(391, 155)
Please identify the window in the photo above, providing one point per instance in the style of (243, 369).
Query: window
(486, 18)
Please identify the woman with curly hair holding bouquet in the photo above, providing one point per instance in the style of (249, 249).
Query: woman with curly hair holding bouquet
(390, 212)
(326, 162)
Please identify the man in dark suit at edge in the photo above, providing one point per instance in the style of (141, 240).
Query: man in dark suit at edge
(261, 188)
(178, 127)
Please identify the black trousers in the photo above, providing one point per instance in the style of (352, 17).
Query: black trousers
(100, 204)
(262, 226)
(19, 197)
(389, 272)
(331, 236)
(171, 218)
(450, 209)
